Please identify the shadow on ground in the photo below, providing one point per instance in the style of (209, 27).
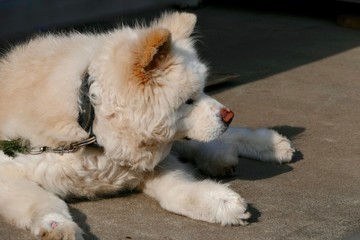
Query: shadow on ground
(249, 169)
(80, 219)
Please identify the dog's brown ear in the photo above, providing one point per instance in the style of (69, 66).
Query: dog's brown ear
(180, 24)
(152, 52)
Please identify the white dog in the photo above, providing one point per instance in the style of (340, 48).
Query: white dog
(145, 88)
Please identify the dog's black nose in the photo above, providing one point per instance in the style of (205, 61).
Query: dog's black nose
(226, 115)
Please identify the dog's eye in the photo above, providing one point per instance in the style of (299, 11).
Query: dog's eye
(189, 101)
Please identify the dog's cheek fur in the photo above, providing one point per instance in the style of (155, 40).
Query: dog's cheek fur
(134, 141)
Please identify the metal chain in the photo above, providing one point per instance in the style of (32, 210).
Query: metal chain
(73, 147)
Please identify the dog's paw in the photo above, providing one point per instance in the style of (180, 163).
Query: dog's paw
(282, 150)
(222, 205)
(54, 226)
(219, 170)
(272, 147)
(217, 159)
(231, 210)
(61, 231)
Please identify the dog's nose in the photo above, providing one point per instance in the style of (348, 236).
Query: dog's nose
(226, 115)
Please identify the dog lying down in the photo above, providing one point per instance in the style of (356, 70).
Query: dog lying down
(139, 91)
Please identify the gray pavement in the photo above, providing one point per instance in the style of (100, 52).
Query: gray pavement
(299, 75)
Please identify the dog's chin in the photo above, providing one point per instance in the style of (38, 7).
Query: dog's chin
(209, 136)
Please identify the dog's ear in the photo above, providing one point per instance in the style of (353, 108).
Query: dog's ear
(152, 51)
(181, 25)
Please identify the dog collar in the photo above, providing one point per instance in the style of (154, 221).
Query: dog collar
(86, 109)
(85, 120)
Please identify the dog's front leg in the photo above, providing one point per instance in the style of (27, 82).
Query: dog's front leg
(261, 144)
(220, 157)
(28, 206)
(178, 191)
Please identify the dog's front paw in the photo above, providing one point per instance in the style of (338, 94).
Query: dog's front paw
(231, 210)
(271, 146)
(216, 158)
(219, 166)
(282, 150)
(264, 144)
(222, 205)
(56, 226)
(61, 231)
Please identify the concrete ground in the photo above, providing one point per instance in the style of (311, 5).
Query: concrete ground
(299, 75)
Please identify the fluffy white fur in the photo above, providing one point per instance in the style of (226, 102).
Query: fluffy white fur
(141, 80)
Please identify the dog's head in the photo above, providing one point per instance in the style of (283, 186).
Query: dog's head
(148, 89)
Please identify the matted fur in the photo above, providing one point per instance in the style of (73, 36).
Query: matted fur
(147, 91)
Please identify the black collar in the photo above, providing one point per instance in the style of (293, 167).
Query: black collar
(86, 109)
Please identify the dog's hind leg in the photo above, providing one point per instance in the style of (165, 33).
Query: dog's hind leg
(27, 205)
(175, 188)
(220, 157)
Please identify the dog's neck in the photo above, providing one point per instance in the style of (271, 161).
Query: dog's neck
(85, 119)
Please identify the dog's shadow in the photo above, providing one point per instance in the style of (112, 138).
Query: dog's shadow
(80, 219)
(255, 214)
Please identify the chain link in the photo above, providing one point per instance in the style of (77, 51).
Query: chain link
(73, 147)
